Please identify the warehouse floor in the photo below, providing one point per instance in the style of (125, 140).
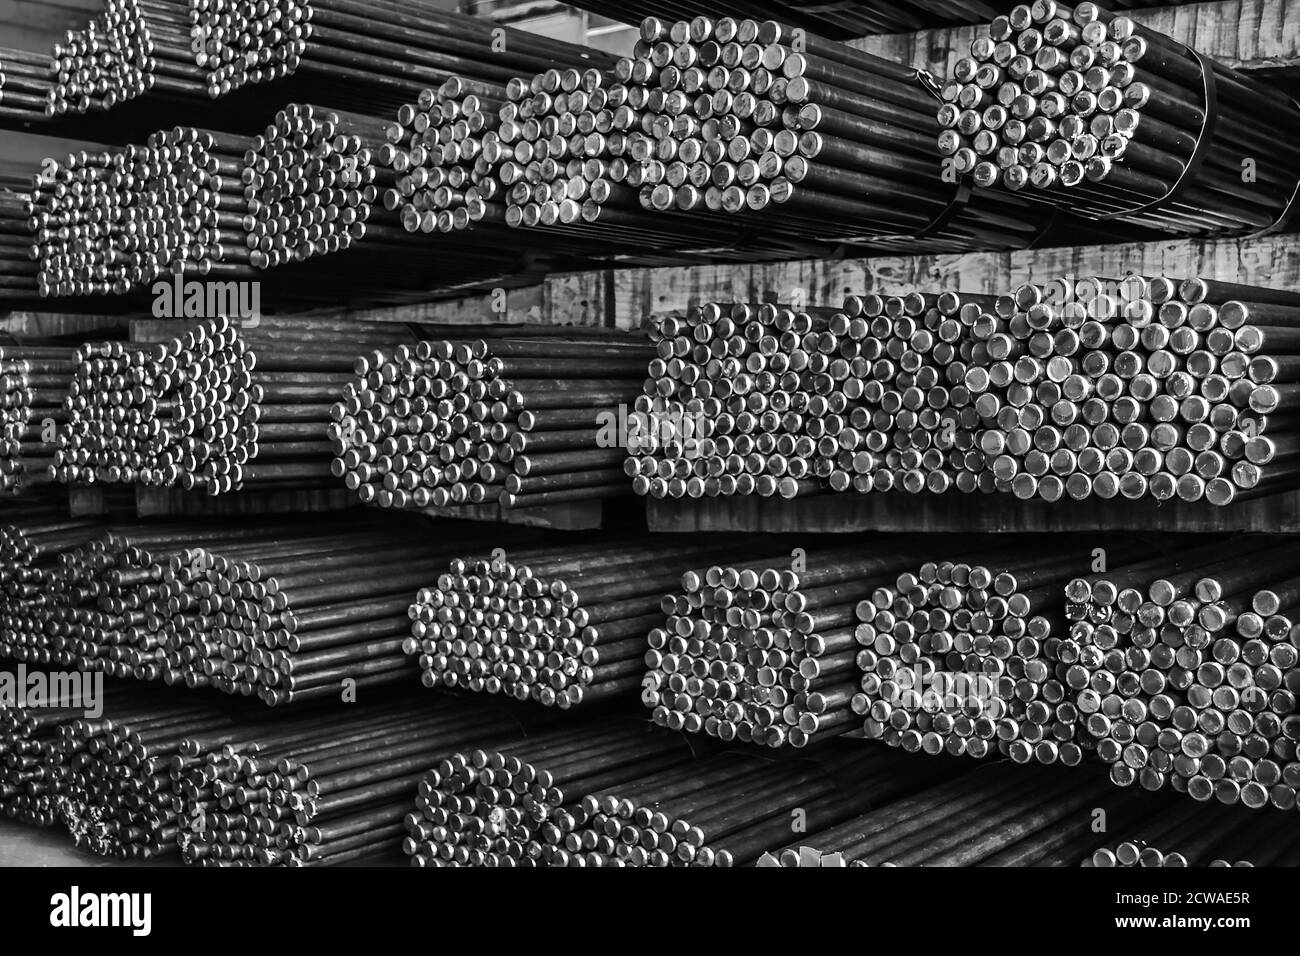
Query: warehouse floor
(32, 846)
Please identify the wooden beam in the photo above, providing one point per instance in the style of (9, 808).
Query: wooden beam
(174, 502)
(899, 511)
(573, 516)
(26, 324)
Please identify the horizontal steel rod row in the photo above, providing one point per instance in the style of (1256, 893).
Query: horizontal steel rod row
(1084, 109)
(515, 422)
(287, 611)
(1082, 388)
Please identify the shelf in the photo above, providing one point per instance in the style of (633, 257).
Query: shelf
(576, 516)
(172, 502)
(889, 511)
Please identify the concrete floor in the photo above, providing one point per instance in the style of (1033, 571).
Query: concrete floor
(32, 846)
(22, 845)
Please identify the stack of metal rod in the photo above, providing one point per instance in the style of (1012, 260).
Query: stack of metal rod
(115, 795)
(26, 784)
(315, 188)
(323, 790)
(224, 406)
(17, 271)
(1187, 672)
(287, 611)
(904, 416)
(1139, 388)
(112, 222)
(306, 155)
(131, 48)
(1088, 111)
(559, 624)
(33, 544)
(374, 53)
(34, 379)
(291, 617)
(102, 607)
(1185, 835)
(539, 153)
(581, 154)
(445, 149)
(511, 803)
(30, 769)
(998, 815)
(727, 810)
(762, 126)
(773, 400)
(764, 651)
(1135, 387)
(738, 401)
(964, 657)
(522, 422)
(25, 83)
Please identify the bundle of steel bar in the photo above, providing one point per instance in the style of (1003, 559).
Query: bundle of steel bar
(727, 810)
(997, 815)
(102, 606)
(1185, 671)
(510, 804)
(34, 378)
(739, 399)
(17, 270)
(114, 793)
(765, 651)
(445, 150)
(223, 406)
(290, 611)
(581, 154)
(753, 124)
(113, 222)
(25, 84)
(1136, 387)
(131, 48)
(315, 187)
(31, 771)
(33, 546)
(1185, 835)
(560, 624)
(379, 53)
(524, 422)
(759, 399)
(298, 617)
(909, 413)
(314, 791)
(965, 656)
(1139, 387)
(841, 21)
(1099, 116)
